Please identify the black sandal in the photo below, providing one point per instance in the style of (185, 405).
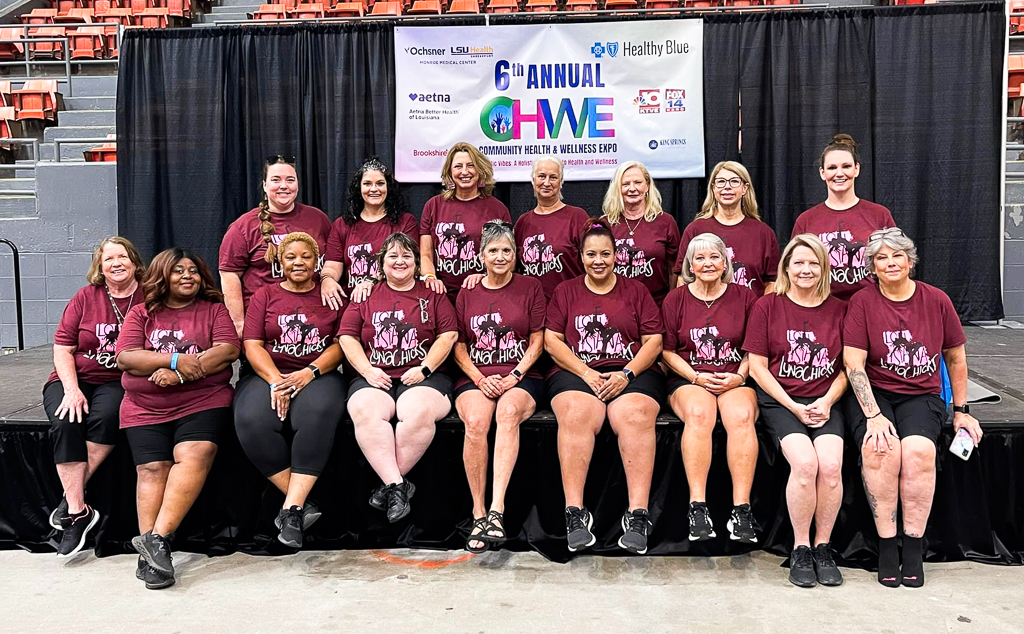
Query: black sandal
(482, 524)
(492, 527)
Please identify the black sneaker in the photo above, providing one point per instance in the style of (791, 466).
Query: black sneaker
(825, 566)
(635, 525)
(59, 512)
(156, 550)
(140, 569)
(742, 525)
(398, 502)
(801, 568)
(379, 498)
(577, 528)
(701, 528)
(310, 513)
(289, 522)
(155, 579)
(76, 528)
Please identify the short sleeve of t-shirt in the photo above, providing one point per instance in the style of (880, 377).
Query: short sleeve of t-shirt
(557, 310)
(223, 330)
(650, 316)
(133, 330)
(772, 254)
(255, 317)
(336, 241)
(427, 220)
(460, 315)
(351, 322)
(67, 330)
(445, 320)
(234, 251)
(407, 224)
(670, 318)
(538, 308)
(672, 252)
(952, 330)
(756, 339)
(855, 325)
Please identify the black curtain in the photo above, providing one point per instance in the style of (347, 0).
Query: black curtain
(918, 87)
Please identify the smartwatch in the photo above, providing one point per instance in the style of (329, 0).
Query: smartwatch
(962, 409)
(316, 370)
(425, 370)
(630, 375)
(516, 373)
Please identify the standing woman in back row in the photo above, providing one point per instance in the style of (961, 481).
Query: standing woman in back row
(452, 221)
(248, 253)
(730, 212)
(843, 222)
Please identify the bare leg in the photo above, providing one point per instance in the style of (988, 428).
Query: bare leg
(97, 454)
(881, 471)
(298, 489)
(801, 496)
(917, 483)
(72, 478)
(281, 480)
(476, 411)
(371, 411)
(632, 417)
(580, 416)
(418, 410)
(514, 407)
(192, 462)
(698, 409)
(149, 492)
(738, 408)
(829, 449)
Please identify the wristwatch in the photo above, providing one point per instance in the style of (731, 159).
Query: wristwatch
(316, 370)
(962, 409)
(425, 370)
(516, 373)
(629, 374)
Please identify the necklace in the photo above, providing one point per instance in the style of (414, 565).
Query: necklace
(706, 302)
(633, 229)
(117, 311)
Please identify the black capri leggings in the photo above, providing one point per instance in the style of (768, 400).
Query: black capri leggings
(313, 417)
(100, 425)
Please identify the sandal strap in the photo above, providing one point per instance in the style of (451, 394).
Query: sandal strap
(492, 517)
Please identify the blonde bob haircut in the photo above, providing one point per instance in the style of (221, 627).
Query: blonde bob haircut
(298, 236)
(748, 204)
(484, 170)
(811, 241)
(699, 243)
(95, 275)
(613, 205)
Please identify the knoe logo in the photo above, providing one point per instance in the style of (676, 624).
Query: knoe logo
(431, 98)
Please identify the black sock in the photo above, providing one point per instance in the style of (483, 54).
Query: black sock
(888, 562)
(913, 562)
(85, 509)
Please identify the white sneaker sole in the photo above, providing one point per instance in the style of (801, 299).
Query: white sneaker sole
(85, 534)
(593, 538)
(626, 548)
(736, 538)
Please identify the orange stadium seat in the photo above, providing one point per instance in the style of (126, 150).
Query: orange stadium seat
(106, 153)
(39, 16)
(154, 18)
(464, 6)
(661, 4)
(387, 8)
(425, 7)
(697, 4)
(1016, 6)
(37, 99)
(779, 3)
(180, 8)
(580, 5)
(536, 6)
(1015, 86)
(65, 6)
(11, 50)
(46, 50)
(10, 128)
(75, 15)
(87, 42)
(619, 5)
(116, 14)
(270, 12)
(5, 94)
(502, 6)
(347, 10)
(100, 7)
(309, 11)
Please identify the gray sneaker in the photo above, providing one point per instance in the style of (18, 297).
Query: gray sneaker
(801, 568)
(156, 551)
(578, 523)
(635, 525)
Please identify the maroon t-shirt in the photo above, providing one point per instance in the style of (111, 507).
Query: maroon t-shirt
(709, 339)
(845, 233)
(496, 324)
(752, 246)
(903, 339)
(397, 328)
(295, 328)
(242, 251)
(604, 330)
(804, 346)
(549, 245)
(188, 330)
(90, 324)
(455, 227)
(647, 255)
(356, 246)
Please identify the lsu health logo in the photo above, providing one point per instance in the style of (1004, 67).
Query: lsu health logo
(649, 101)
(473, 51)
(430, 98)
(674, 100)
(611, 48)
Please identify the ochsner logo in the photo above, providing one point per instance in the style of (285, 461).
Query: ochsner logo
(413, 50)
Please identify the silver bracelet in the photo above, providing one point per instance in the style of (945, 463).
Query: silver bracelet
(181, 379)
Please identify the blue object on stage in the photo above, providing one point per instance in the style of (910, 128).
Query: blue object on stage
(947, 388)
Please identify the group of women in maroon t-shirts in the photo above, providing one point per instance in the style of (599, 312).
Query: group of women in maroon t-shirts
(395, 321)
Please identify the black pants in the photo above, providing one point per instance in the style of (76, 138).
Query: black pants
(312, 419)
(100, 425)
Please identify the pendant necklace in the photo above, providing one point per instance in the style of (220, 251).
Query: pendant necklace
(632, 230)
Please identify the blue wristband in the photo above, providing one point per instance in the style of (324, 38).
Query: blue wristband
(174, 361)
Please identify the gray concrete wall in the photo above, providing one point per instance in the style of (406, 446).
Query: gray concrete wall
(76, 207)
(1013, 259)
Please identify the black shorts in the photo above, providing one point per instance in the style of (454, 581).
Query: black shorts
(532, 385)
(101, 424)
(649, 382)
(675, 382)
(911, 414)
(436, 380)
(783, 422)
(155, 443)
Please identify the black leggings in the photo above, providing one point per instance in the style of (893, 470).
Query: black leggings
(100, 425)
(313, 417)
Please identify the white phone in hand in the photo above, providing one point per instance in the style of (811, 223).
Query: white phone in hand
(962, 444)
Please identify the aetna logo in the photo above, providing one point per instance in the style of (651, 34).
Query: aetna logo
(425, 51)
(433, 98)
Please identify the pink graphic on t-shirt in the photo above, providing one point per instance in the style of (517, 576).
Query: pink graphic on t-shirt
(277, 238)
(171, 341)
(597, 337)
(843, 251)
(107, 334)
(536, 250)
(904, 352)
(804, 349)
(295, 329)
(711, 346)
(739, 270)
(391, 332)
(628, 254)
(363, 262)
(452, 240)
(490, 334)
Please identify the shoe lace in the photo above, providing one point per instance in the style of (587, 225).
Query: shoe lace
(744, 517)
(574, 519)
(699, 514)
(162, 546)
(638, 523)
(802, 558)
(823, 553)
(395, 491)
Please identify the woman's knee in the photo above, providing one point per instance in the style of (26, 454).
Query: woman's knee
(195, 452)
(918, 458)
(700, 418)
(510, 412)
(830, 468)
(575, 412)
(477, 423)
(153, 471)
(881, 461)
(803, 466)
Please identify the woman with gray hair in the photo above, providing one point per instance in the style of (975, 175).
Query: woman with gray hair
(705, 322)
(794, 342)
(892, 336)
(501, 335)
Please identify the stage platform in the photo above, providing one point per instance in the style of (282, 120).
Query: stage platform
(978, 512)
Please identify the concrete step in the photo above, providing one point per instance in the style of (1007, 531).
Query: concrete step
(241, 7)
(17, 206)
(90, 103)
(236, 3)
(68, 151)
(8, 183)
(87, 117)
(210, 18)
(1015, 192)
(77, 132)
(28, 172)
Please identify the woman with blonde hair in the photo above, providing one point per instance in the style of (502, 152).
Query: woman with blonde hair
(794, 343)
(730, 212)
(646, 238)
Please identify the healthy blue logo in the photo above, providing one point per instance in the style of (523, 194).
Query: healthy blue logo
(612, 48)
(597, 50)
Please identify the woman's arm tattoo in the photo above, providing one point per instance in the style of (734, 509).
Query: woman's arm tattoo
(862, 388)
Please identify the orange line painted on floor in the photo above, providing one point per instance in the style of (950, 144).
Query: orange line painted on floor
(392, 559)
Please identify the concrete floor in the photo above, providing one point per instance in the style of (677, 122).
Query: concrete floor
(421, 591)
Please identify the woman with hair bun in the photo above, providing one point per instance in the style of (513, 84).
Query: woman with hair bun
(248, 253)
(843, 222)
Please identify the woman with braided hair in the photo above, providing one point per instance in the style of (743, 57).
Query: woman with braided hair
(248, 253)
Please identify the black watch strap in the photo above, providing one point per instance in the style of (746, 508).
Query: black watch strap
(426, 371)
(629, 374)
(316, 370)
(962, 409)
(516, 373)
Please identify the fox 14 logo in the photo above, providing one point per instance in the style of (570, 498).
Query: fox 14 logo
(674, 100)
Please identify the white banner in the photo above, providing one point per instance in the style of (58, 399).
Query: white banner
(593, 94)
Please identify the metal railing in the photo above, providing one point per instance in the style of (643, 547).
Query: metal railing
(34, 144)
(17, 292)
(28, 62)
(83, 141)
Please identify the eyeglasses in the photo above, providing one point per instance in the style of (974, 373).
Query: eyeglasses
(735, 183)
(497, 224)
(279, 158)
